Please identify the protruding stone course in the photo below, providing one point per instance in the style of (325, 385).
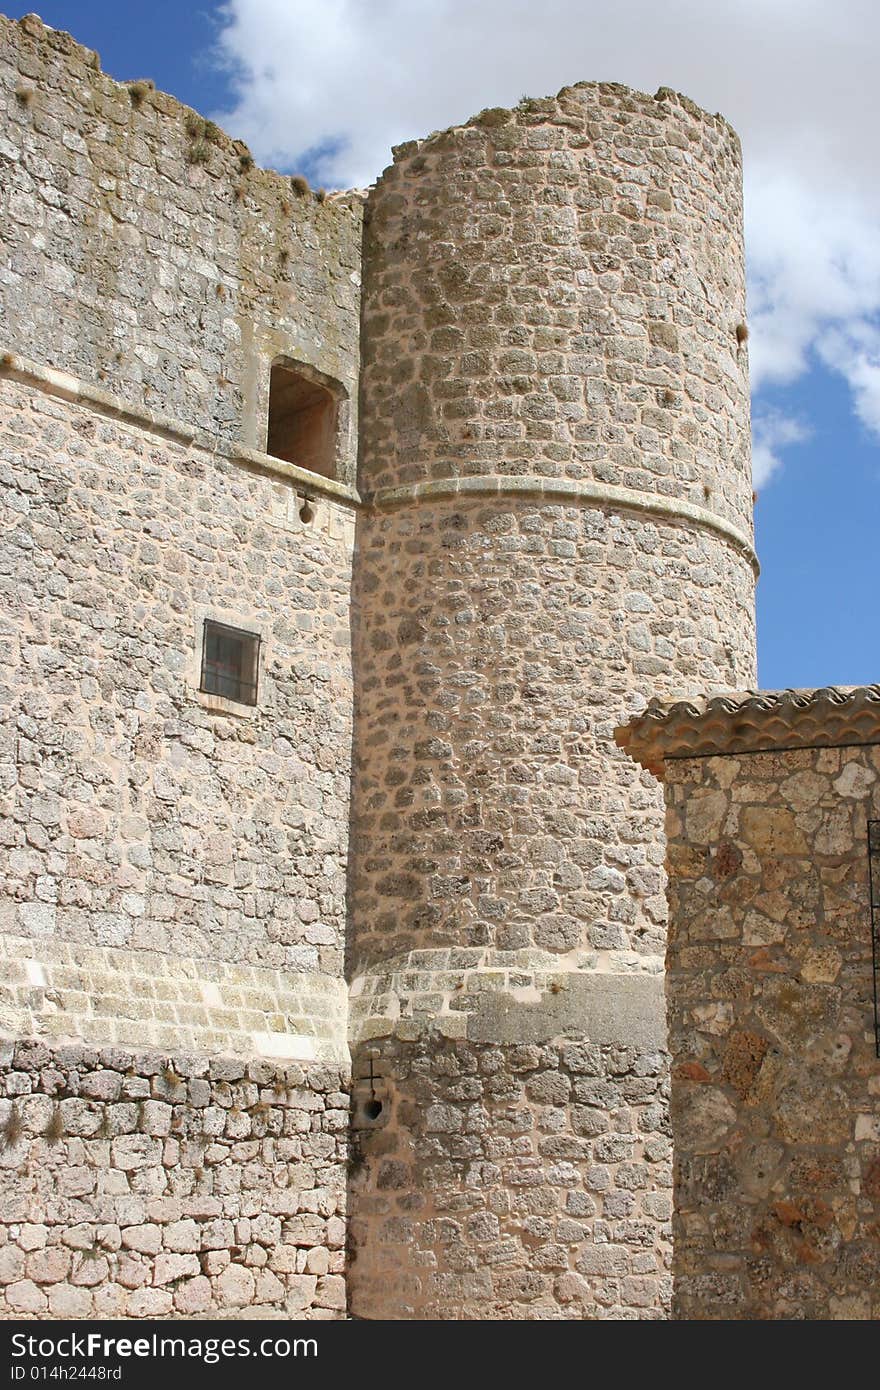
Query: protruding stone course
(508, 996)
(149, 1186)
(775, 1078)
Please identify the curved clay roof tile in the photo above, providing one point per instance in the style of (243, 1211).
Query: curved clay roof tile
(751, 721)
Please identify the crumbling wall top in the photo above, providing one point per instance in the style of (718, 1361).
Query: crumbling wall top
(147, 253)
(568, 105)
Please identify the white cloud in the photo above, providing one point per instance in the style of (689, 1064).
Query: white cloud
(863, 375)
(334, 83)
(771, 432)
(853, 348)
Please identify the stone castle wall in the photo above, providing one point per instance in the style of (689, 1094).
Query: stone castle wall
(145, 252)
(138, 817)
(566, 306)
(775, 1077)
(174, 867)
(174, 874)
(552, 521)
(770, 987)
(556, 453)
(526, 1180)
(136, 1187)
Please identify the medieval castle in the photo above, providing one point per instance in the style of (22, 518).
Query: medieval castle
(365, 559)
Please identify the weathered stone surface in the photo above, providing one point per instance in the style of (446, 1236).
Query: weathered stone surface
(138, 905)
(155, 845)
(775, 1086)
(509, 1164)
(146, 1229)
(562, 343)
(551, 305)
(192, 336)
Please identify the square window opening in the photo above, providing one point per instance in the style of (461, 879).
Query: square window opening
(303, 421)
(230, 663)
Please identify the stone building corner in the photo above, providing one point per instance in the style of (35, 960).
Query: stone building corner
(773, 852)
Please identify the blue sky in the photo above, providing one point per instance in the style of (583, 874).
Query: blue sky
(326, 90)
(169, 40)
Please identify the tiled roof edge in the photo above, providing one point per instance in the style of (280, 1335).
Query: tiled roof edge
(750, 721)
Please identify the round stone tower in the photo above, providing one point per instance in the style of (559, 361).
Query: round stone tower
(555, 458)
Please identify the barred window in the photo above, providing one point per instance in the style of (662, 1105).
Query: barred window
(230, 662)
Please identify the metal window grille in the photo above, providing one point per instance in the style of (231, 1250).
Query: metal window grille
(874, 889)
(230, 663)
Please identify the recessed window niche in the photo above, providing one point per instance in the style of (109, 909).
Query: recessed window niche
(304, 417)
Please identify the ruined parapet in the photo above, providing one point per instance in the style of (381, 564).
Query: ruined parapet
(554, 454)
(147, 253)
(773, 824)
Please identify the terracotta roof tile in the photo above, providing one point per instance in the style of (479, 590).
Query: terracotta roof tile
(751, 721)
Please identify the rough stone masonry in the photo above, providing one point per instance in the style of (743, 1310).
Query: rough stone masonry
(773, 821)
(414, 864)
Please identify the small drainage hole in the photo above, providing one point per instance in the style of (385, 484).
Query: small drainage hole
(373, 1109)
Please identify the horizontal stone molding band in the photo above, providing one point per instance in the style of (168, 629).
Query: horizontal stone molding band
(70, 388)
(542, 489)
(604, 1006)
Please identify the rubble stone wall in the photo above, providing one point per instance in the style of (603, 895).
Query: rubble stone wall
(556, 453)
(555, 292)
(173, 1128)
(775, 1080)
(513, 1181)
(136, 1185)
(497, 644)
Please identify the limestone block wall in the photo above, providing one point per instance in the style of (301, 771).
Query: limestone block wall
(514, 1180)
(145, 251)
(555, 462)
(775, 1075)
(135, 1186)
